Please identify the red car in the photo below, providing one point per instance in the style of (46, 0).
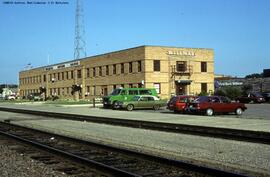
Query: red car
(210, 105)
(180, 103)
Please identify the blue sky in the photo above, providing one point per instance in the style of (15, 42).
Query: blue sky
(237, 30)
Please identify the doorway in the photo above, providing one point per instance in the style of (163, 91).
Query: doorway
(181, 89)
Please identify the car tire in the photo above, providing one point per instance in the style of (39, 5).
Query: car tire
(176, 111)
(156, 107)
(130, 107)
(209, 112)
(113, 105)
(239, 111)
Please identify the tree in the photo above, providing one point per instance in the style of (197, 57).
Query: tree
(230, 92)
(246, 89)
(220, 92)
(254, 75)
(233, 92)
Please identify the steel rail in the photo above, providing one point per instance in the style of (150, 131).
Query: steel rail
(96, 165)
(216, 132)
(114, 171)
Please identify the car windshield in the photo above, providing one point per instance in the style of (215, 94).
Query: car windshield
(225, 99)
(202, 99)
(116, 92)
(135, 98)
(257, 94)
(173, 99)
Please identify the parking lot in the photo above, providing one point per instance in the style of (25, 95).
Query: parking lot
(261, 111)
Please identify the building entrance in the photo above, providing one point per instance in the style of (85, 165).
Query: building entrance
(181, 89)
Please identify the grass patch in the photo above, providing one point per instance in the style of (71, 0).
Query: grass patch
(14, 101)
(68, 102)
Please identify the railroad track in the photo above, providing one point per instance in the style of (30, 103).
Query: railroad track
(106, 159)
(224, 133)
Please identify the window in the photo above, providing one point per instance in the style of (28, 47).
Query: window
(107, 70)
(133, 92)
(181, 66)
(123, 92)
(139, 85)
(88, 89)
(203, 67)
(63, 76)
(130, 85)
(157, 87)
(94, 72)
(100, 71)
(58, 76)
(114, 86)
(151, 98)
(139, 66)
(204, 87)
(130, 67)
(122, 68)
(71, 75)
(67, 75)
(114, 69)
(94, 90)
(44, 78)
(87, 72)
(122, 85)
(144, 99)
(145, 92)
(156, 65)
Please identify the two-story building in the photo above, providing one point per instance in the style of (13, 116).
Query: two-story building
(171, 70)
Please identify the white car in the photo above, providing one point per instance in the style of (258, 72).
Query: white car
(11, 97)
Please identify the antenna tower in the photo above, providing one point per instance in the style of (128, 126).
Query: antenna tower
(79, 42)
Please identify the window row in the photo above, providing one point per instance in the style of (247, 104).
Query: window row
(114, 69)
(90, 72)
(181, 66)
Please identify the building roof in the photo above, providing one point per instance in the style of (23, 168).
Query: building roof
(142, 46)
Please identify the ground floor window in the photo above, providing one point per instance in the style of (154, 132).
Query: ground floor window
(204, 87)
(157, 87)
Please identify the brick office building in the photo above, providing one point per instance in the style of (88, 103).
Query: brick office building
(171, 70)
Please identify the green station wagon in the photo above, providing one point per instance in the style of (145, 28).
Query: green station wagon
(141, 102)
(126, 94)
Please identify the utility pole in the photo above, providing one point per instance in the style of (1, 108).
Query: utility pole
(79, 42)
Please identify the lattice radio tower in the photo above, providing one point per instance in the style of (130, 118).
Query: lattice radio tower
(79, 42)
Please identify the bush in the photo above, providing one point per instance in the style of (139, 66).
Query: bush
(246, 89)
(230, 92)
(203, 94)
(220, 92)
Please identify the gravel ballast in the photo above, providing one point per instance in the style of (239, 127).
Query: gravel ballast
(19, 165)
(219, 153)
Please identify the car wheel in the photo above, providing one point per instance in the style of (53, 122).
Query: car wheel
(238, 111)
(209, 112)
(156, 107)
(113, 105)
(130, 107)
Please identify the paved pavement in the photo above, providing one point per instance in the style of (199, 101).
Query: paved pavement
(255, 124)
(257, 111)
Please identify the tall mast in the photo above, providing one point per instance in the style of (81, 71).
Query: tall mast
(79, 42)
